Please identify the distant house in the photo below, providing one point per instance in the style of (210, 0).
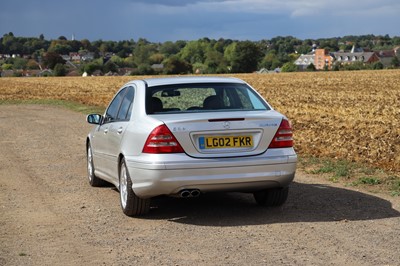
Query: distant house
(31, 73)
(4, 56)
(78, 57)
(304, 61)
(266, 71)
(323, 59)
(87, 56)
(349, 57)
(397, 51)
(75, 57)
(386, 56)
(320, 58)
(66, 57)
(7, 73)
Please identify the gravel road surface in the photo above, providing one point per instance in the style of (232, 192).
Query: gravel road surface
(49, 215)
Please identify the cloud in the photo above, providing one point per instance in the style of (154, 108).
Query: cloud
(294, 8)
(174, 2)
(162, 20)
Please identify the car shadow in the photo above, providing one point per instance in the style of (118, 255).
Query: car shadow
(306, 203)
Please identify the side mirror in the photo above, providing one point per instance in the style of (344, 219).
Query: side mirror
(94, 119)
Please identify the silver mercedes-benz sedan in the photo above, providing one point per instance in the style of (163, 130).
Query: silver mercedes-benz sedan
(187, 136)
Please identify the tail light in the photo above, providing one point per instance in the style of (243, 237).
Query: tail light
(283, 137)
(161, 140)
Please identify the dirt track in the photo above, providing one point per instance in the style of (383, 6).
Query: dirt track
(49, 215)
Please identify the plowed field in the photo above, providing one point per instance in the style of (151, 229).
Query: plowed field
(344, 115)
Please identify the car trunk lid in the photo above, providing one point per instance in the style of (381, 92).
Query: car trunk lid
(224, 134)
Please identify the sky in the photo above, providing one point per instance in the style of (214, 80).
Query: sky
(172, 20)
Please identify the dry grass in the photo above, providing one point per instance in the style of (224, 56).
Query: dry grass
(345, 115)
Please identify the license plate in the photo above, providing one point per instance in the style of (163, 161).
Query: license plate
(220, 142)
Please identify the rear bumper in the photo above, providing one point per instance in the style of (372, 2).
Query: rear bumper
(168, 174)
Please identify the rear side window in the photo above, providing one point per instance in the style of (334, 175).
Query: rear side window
(203, 97)
(113, 108)
(121, 106)
(124, 112)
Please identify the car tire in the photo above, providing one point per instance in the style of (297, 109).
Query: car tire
(272, 197)
(94, 181)
(131, 204)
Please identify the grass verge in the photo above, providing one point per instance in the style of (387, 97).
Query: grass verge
(74, 106)
(352, 174)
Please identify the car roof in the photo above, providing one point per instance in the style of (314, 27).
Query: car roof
(185, 80)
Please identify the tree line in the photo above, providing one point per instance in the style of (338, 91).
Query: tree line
(176, 57)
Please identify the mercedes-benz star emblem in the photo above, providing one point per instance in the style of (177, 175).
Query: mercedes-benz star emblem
(226, 124)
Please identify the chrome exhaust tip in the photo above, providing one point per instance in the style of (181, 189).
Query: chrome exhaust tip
(189, 193)
(195, 193)
(185, 194)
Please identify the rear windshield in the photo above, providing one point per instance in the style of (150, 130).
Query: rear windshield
(203, 98)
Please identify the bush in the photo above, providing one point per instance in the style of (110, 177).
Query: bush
(289, 67)
(377, 65)
(60, 70)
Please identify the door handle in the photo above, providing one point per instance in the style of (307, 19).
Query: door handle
(105, 131)
(119, 131)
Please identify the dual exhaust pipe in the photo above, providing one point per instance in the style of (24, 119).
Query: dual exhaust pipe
(189, 193)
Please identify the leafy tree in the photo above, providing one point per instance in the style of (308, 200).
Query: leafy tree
(51, 59)
(336, 66)
(396, 40)
(156, 58)
(355, 66)
(118, 61)
(104, 48)
(395, 62)
(60, 70)
(110, 66)
(91, 67)
(194, 52)
(245, 57)
(270, 61)
(86, 45)
(130, 62)
(19, 63)
(7, 66)
(311, 67)
(303, 49)
(377, 65)
(32, 64)
(215, 62)
(289, 67)
(229, 53)
(169, 48)
(175, 65)
(220, 45)
(199, 68)
(143, 69)
(143, 52)
(60, 47)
